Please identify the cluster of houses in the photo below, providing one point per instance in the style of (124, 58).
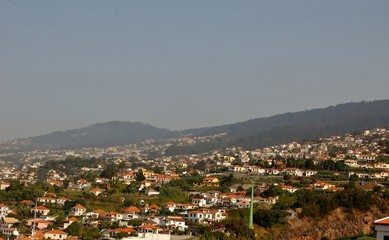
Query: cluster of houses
(206, 207)
(152, 222)
(246, 168)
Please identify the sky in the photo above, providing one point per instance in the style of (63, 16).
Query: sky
(184, 64)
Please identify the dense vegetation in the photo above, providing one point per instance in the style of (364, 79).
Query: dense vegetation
(317, 204)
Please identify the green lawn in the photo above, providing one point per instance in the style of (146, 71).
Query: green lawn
(106, 206)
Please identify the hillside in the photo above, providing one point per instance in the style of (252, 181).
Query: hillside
(339, 223)
(304, 125)
(104, 134)
(254, 133)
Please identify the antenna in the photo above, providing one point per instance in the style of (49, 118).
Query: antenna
(34, 223)
(251, 205)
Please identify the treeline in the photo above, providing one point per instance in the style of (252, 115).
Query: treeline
(72, 165)
(17, 192)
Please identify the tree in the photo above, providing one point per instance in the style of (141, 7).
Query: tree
(140, 177)
(171, 193)
(272, 192)
(285, 201)
(308, 164)
(75, 229)
(110, 171)
(202, 165)
(239, 228)
(90, 233)
(268, 218)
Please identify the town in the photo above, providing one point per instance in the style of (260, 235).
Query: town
(139, 192)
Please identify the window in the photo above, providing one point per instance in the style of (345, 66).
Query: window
(386, 237)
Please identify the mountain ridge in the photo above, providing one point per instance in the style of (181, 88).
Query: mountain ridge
(257, 132)
(104, 134)
(303, 125)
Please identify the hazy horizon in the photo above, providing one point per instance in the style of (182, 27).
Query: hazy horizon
(184, 64)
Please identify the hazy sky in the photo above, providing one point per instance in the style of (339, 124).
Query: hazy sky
(184, 64)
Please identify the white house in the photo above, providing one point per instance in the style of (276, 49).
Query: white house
(290, 189)
(150, 191)
(131, 213)
(206, 216)
(382, 228)
(309, 173)
(173, 222)
(78, 210)
(55, 235)
(40, 210)
(201, 202)
(4, 210)
(4, 185)
(293, 171)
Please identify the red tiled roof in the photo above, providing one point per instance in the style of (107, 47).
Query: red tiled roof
(79, 206)
(99, 211)
(154, 206)
(149, 226)
(125, 230)
(132, 209)
(40, 208)
(56, 232)
(382, 221)
(73, 219)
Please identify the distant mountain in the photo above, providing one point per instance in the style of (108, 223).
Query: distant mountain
(103, 134)
(304, 125)
(255, 133)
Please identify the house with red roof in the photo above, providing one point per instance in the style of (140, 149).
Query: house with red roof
(131, 213)
(27, 202)
(171, 206)
(127, 230)
(112, 217)
(149, 228)
(153, 208)
(39, 223)
(127, 177)
(96, 191)
(288, 188)
(174, 222)
(62, 200)
(40, 210)
(38, 235)
(211, 182)
(206, 216)
(163, 179)
(78, 210)
(56, 235)
(382, 228)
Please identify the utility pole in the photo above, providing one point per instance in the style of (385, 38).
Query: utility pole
(251, 205)
(34, 223)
